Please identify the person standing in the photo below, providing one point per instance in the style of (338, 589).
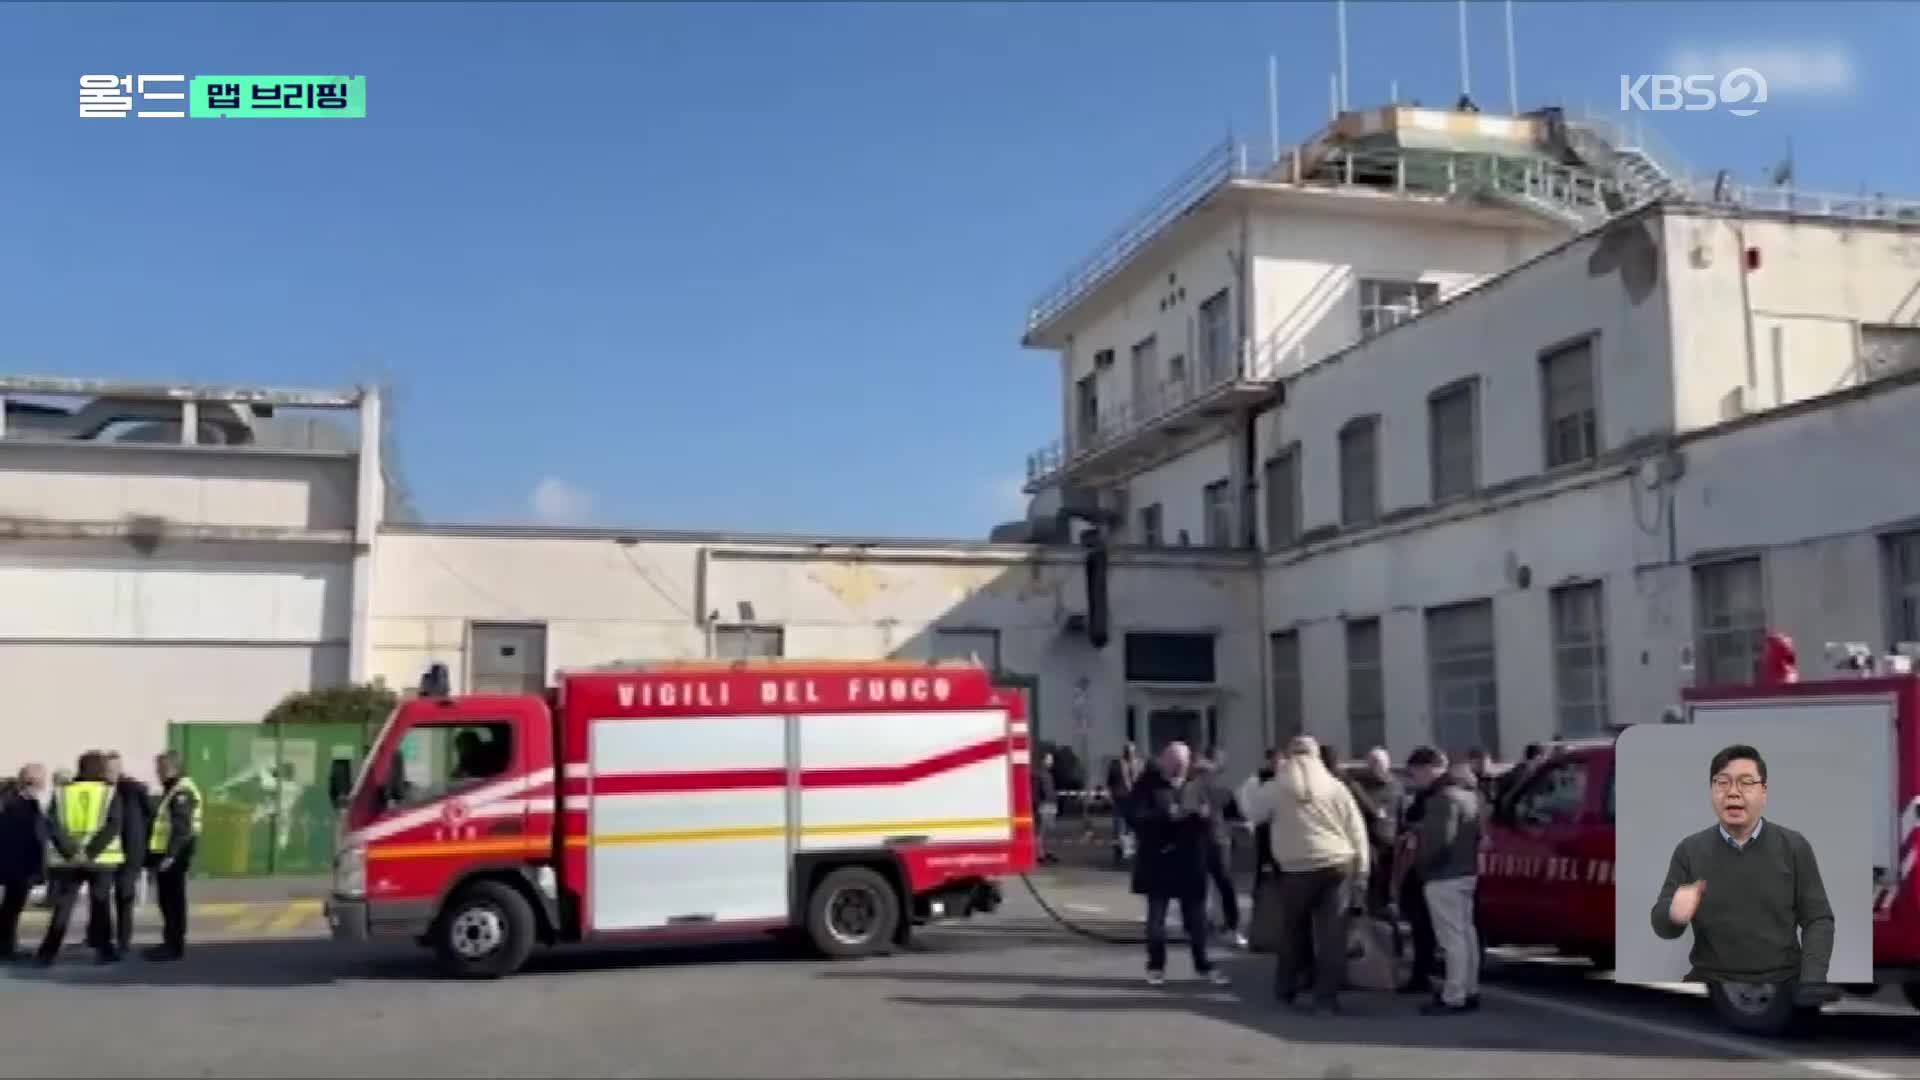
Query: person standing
(176, 832)
(1381, 798)
(1046, 809)
(1173, 816)
(1207, 771)
(23, 850)
(1320, 841)
(1449, 855)
(134, 818)
(83, 830)
(1425, 766)
(1122, 773)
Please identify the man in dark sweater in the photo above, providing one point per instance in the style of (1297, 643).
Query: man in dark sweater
(135, 822)
(1750, 888)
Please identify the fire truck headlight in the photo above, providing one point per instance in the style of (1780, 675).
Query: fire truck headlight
(350, 872)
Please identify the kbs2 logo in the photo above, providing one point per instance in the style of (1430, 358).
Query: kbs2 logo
(1739, 91)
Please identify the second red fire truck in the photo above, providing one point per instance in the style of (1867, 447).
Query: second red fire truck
(1546, 864)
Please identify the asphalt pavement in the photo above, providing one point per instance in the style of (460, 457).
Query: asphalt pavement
(262, 993)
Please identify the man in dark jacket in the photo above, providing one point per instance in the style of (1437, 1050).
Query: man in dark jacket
(1046, 808)
(135, 820)
(1425, 766)
(170, 848)
(1207, 771)
(1173, 818)
(1263, 863)
(23, 850)
(1380, 797)
(83, 832)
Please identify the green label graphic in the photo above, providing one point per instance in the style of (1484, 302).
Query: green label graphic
(257, 97)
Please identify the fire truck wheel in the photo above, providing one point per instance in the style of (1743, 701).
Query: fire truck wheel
(486, 932)
(1754, 1008)
(853, 912)
(1912, 991)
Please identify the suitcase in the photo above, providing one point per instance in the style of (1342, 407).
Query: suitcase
(1263, 926)
(1379, 955)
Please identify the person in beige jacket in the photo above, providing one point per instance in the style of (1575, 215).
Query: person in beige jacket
(1319, 838)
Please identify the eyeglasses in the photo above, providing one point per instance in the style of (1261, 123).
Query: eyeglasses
(1724, 784)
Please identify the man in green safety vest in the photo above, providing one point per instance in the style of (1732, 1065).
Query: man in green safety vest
(176, 827)
(83, 830)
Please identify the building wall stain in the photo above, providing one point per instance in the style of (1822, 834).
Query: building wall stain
(853, 584)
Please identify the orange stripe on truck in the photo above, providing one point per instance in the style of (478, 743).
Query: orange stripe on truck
(436, 849)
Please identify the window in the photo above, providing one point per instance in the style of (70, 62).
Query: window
(436, 760)
(1216, 337)
(1283, 498)
(1903, 587)
(1169, 658)
(1555, 797)
(749, 642)
(508, 658)
(1177, 377)
(1887, 349)
(1580, 658)
(1288, 708)
(1152, 525)
(1087, 408)
(1730, 620)
(974, 646)
(1567, 403)
(1360, 472)
(1216, 508)
(1390, 303)
(1453, 417)
(1366, 687)
(1146, 396)
(1463, 677)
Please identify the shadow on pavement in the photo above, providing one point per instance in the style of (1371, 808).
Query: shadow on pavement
(319, 962)
(1395, 1020)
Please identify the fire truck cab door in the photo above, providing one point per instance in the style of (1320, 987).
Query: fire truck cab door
(1539, 853)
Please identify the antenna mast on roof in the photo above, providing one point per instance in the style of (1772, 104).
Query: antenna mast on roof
(1340, 22)
(1466, 75)
(1513, 75)
(1273, 103)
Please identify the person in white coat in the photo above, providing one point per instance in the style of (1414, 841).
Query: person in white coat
(1319, 840)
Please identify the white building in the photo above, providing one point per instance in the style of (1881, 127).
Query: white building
(1441, 428)
(175, 554)
(1473, 386)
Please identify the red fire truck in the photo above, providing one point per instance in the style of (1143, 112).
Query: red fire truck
(1546, 864)
(848, 801)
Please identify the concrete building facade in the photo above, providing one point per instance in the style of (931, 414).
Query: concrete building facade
(175, 554)
(1413, 434)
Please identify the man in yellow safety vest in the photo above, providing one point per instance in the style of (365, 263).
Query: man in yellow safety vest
(83, 830)
(176, 828)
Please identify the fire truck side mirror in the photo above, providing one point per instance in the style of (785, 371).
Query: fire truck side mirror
(340, 781)
(436, 683)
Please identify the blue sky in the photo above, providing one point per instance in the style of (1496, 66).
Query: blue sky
(740, 267)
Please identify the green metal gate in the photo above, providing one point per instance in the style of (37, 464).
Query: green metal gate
(268, 808)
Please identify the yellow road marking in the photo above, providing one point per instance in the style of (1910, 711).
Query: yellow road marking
(251, 921)
(295, 915)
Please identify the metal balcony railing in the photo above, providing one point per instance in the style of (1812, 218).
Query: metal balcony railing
(1225, 161)
(1878, 207)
